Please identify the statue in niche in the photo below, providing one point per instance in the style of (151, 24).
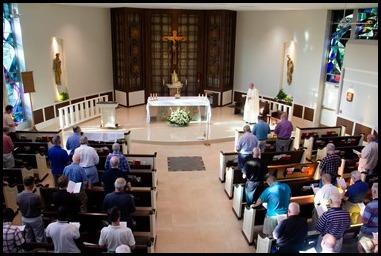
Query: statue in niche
(57, 69)
(290, 69)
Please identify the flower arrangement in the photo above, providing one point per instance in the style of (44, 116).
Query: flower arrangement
(179, 117)
(282, 96)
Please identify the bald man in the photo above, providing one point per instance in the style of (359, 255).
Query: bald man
(328, 243)
(291, 233)
(110, 175)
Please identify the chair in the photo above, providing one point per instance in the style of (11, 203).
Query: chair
(263, 243)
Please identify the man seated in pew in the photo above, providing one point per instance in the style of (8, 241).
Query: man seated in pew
(328, 243)
(123, 249)
(245, 145)
(355, 195)
(65, 236)
(368, 157)
(76, 174)
(89, 159)
(254, 172)
(277, 196)
(120, 198)
(123, 163)
(115, 234)
(30, 206)
(13, 238)
(370, 224)
(291, 233)
(322, 195)
(58, 158)
(64, 198)
(8, 147)
(335, 221)
(110, 175)
(73, 141)
(261, 130)
(330, 164)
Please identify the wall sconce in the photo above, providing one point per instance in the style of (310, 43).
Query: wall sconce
(350, 94)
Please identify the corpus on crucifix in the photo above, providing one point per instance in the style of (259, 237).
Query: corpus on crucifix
(174, 38)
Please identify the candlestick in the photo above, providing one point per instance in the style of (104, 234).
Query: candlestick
(186, 82)
(163, 81)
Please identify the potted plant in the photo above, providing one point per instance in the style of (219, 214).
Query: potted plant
(283, 97)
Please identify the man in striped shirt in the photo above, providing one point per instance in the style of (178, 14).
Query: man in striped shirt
(334, 221)
(330, 164)
(13, 239)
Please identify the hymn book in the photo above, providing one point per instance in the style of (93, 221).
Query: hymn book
(73, 187)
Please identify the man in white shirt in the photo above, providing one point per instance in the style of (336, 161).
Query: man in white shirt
(368, 157)
(89, 159)
(64, 235)
(8, 121)
(115, 234)
(323, 194)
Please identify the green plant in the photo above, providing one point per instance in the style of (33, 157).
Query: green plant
(179, 117)
(63, 96)
(282, 96)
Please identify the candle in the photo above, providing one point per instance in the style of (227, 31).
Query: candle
(186, 82)
(163, 81)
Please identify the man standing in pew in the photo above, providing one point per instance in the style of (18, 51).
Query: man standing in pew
(73, 141)
(58, 158)
(110, 175)
(355, 195)
(63, 198)
(283, 130)
(120, 198)
(277, 196)
(322, 196)
(334, 221)
(8, 147)
(89, 159)
(368, 157)
(245, 145)
(123, 163)
(261, 130)
(31, 207)
(330, 164)
(291, 233)
(76, 174)
(254, 171)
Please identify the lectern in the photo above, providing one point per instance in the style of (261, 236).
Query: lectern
(108, 113)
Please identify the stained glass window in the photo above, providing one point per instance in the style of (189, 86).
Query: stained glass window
(342, 29)
(11, 71)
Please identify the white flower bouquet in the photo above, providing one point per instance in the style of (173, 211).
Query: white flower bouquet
(179, 117)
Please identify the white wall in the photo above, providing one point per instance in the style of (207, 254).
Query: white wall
(86, 34)
(259, 55)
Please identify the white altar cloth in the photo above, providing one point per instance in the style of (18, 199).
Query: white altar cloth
(184, 101)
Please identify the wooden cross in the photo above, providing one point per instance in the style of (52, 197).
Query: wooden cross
(174, 38)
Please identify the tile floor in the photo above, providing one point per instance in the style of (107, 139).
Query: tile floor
(193, 212)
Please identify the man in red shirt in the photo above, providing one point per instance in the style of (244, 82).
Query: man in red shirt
(8, 147)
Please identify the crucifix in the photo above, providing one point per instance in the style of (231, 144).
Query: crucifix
(174, 38)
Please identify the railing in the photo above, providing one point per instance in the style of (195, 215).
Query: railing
(277, 106)
(80, 112)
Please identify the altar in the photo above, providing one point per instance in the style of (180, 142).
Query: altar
(184, 101)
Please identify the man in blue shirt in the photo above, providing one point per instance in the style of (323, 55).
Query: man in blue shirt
(123, 163)
(277, 196)
(245, 145)
(260, 130)
(58, 158)
(73, 141)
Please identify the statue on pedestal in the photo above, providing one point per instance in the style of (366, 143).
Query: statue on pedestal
(175, 86)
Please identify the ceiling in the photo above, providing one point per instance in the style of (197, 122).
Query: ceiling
(233, 6)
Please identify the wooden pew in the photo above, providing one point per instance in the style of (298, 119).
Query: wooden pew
(38, 136)
(302, 134)
(313, 144)
(296, 180)
(31, 147)
(10, 194)
(234, 175)
(142, 177)
(37, 162)
(227, 159)
(253, 218)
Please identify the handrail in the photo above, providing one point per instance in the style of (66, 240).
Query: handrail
(277, 106)
(79, 112)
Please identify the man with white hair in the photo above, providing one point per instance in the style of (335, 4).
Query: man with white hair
(328, 243)
(355, 195)
(368, 157)
(123, 163)
(370, 224)
(283, 130)
(291, 233)
(120, 198)
(335, 221)
(245, 145)
(330, 164)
